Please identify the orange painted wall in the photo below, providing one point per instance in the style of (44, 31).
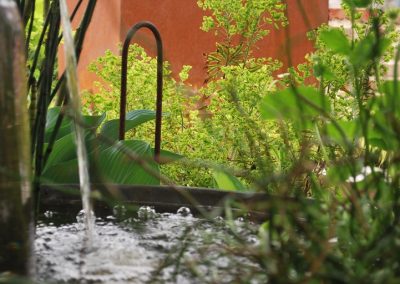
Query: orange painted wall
(179, 22)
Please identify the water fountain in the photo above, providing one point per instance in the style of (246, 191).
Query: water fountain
(74, 109)
(153, 233)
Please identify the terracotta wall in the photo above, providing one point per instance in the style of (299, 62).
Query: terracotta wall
(184, 42)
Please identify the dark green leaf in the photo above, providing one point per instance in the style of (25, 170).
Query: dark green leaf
(362, 51)
(323, 71)
(65, 172)
(117, 167)
(52, 116)
(358, 3)
(367, 49)
(390, 100)
(63, 150)
(91, 122)
(377, 142)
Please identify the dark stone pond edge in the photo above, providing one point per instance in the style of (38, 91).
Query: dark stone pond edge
(66, 198)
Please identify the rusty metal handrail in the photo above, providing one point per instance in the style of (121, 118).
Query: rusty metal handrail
(122, 113)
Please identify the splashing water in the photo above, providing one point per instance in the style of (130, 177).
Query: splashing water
(150, 248)
(75, 112)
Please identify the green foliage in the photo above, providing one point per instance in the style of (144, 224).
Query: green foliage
(208, 124)
(239, 25)
(120, 164)
(43, 81)
(35, 35)
(298, 103)
(336, 141)
(348, 234)
(335, 40)
(133, 119)
(231, 18)
(227, 181)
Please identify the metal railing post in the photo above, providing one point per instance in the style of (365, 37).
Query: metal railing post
(124, 71)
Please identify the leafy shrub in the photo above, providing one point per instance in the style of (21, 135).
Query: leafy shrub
(207, 124)
(238, 25)
(350, 230)
(218, 133)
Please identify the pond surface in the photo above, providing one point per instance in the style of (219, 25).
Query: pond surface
(149, 248)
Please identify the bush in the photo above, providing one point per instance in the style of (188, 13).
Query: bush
(206, 124)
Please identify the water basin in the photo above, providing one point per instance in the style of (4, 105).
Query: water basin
(150, 247)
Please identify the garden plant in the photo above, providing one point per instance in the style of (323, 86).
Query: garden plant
(323, 139)
(334, 140)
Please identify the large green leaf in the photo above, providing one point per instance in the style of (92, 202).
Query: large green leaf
(336, 40)
(292, 104)
(349, 130)
(226, 181)
(112, 163)
(167, 157)
(134, 118)
(390, 100)
(52, 116)
(91, 122)
(65, 172)
(366, 49)
(117, 167)
(63, 150)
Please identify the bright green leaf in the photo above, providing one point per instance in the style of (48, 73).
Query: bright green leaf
(227, 181)
(292, 104)
(336, 40)
(167, 157)
(351, 131)
(134, 118)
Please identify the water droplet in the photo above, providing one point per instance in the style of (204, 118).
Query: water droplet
(240, 219)
(48, 214)
(184, 211)
(80, 218)
(119, 211)
(146, 213)
(219, 219)
(333, 240)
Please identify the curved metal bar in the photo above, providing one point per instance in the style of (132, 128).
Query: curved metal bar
(122, 113)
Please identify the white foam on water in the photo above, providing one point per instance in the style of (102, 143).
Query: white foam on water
(114, 257)
(153, 248)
